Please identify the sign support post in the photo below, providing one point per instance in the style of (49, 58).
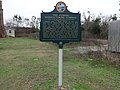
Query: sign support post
(60, 67)
(60, 64)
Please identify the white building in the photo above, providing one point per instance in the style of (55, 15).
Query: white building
(10, 32)
(114, 36)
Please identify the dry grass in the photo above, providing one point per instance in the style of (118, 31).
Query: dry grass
(27, 64)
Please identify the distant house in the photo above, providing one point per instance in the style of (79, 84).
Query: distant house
(10, 31)
(19, 31)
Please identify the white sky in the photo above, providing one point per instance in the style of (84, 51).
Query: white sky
(29, 8)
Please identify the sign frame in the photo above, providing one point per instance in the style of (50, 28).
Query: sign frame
(76, 18)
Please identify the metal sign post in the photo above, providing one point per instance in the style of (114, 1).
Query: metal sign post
(60, 64)
(60, 67)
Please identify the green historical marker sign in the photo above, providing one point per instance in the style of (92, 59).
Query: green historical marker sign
(60, 25)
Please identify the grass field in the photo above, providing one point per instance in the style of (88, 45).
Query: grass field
(27, 64)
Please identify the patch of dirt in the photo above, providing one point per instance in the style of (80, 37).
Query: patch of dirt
(113, 58)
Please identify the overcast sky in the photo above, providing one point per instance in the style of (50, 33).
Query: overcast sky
(29, 8)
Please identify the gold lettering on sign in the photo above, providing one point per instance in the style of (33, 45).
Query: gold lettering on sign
(55, 15)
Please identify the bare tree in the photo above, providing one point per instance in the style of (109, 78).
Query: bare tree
(35, 22)
(26, 22)
(10, 23)
(114, 17)
(17, 19)
(88, 18)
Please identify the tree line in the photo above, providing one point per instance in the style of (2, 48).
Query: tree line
(97, 26)
(19, 21)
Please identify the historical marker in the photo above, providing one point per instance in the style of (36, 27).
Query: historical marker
(60, 26)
